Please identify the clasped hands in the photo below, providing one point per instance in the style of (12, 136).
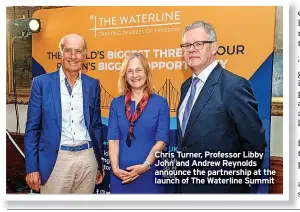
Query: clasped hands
(131, 173)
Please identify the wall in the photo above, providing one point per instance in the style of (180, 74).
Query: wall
(276, 136)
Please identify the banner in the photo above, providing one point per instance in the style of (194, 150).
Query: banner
(246, 48)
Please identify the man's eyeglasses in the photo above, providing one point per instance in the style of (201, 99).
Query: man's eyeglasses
(77, 52)
(198, 45)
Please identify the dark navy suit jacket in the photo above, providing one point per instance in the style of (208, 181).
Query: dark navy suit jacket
(224, 118)
(44, 120)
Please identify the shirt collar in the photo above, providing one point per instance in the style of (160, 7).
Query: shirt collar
(62, 75)
(206, 72)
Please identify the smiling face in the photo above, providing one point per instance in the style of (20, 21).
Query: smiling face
(135, 74)
(73, 53)
(198, 60)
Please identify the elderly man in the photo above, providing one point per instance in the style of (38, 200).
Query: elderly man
(217, 113)
(63, 136)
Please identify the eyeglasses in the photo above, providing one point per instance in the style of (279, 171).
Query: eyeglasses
(69, 51)
(198, 45)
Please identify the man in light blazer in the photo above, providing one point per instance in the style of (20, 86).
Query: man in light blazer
(63, 136)
(217, 113)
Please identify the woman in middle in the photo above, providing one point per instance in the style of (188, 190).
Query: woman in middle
(138, 127)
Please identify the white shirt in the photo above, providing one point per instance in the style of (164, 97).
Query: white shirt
(74, 131)
(203, 77)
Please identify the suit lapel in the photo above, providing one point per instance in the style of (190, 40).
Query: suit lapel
(206, 92)
(86, 96)
(55, 87)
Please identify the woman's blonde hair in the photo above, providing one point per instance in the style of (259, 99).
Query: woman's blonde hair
(123, 85)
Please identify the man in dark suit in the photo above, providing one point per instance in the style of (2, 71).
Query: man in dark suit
(217, 113)
(63, 136)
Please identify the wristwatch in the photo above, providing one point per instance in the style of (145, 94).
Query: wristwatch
(148, 164)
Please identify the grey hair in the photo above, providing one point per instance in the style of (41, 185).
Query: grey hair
(211, 33)
(61, 43)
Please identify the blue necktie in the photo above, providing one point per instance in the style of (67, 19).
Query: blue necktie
(188, 107)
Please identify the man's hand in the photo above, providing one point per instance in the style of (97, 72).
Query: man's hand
(33, 180)
(100, 177)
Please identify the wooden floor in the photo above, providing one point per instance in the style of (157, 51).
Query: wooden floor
(15, 166)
